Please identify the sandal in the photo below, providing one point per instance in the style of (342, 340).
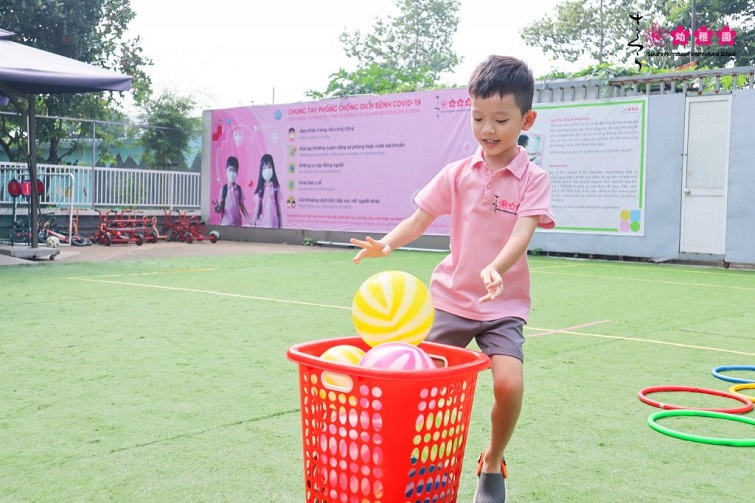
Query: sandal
(480, 460)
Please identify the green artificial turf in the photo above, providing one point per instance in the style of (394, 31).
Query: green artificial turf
(166, 380)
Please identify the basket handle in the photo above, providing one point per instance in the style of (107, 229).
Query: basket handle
(336, 382)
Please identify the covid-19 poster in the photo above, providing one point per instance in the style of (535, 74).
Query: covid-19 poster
(355, 164)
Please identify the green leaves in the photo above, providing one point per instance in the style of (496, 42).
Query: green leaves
(374, 79)
(406, 53)
(598, 31)
(92, 31)
(169, 130)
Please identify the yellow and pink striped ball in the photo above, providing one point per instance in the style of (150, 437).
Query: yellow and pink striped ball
(392, 306)
(397, 356)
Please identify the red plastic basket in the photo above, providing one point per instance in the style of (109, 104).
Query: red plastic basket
(379, 436)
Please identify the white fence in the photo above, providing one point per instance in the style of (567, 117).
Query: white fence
(88, 187)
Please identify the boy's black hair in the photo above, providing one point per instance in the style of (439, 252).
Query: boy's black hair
(503, 75)
(233, 163)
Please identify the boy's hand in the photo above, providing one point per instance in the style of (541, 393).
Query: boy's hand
(493, 282)
(369, 248)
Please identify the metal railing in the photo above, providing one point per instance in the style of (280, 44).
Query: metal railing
(99, 187)
(715, 81)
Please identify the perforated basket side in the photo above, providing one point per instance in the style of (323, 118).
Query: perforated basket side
(386, 439)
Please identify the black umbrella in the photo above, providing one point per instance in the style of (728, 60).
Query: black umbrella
(28, 71)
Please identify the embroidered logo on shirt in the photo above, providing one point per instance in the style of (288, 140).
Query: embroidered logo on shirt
(504, 206)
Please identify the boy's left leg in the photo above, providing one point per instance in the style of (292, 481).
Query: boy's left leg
(508, 390)
(503, 341)
(508, 386)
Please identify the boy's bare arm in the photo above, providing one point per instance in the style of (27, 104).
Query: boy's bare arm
(405, 232)
(517, 244)
(245, 213)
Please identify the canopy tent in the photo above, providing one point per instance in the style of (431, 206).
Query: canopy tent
(27, 71)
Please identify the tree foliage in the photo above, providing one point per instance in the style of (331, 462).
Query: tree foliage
(374, 79)
(169, 131)
(91, 31)
(599, 31)
(405, 53)
(594, 30)
(739, 15)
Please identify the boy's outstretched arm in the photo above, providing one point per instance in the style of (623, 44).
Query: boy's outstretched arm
(405, 232)
(517, 244)
(245, 213)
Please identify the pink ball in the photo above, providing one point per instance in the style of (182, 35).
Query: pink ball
(397, 356)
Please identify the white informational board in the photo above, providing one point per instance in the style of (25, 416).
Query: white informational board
(595, 155)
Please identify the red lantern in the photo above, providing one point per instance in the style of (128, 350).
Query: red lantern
(26, 187)
(14, 188)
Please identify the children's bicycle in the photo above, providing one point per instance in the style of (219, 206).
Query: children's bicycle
(48, 229)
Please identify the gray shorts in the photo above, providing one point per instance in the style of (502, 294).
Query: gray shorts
(498, 337)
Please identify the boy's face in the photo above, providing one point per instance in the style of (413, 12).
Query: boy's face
(230, 173)
(497, 123)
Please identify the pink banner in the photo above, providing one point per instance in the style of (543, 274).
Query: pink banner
(351, 164)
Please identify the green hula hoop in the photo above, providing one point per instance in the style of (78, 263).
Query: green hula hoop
(736, 442)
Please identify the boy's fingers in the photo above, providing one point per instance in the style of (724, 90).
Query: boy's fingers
(369, 248)
(493, 293)
(380, 248)
(359, 256)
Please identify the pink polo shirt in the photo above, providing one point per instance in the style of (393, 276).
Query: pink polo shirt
(483, 207)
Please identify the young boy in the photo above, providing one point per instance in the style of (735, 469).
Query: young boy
(230, 202)
(495, 198)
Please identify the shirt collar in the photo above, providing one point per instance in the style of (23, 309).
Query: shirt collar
(517, 166)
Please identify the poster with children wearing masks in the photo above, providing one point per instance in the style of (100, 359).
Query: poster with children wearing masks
(355, 164)
(335, 164)
(246, 187)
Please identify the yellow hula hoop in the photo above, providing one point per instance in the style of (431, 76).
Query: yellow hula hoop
(750, 385)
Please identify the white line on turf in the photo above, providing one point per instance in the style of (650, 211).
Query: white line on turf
(154, 273)
(664, 343)
(645, 280)
(212, 292)
(544, 331)
(314, 304)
